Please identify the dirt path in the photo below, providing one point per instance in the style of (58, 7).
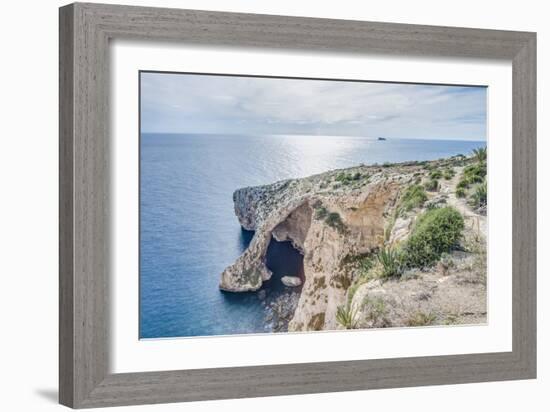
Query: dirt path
(473, 221)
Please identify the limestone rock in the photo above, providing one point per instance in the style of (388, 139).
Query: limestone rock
(400, 230)
(333, 218)
(428, 298)
(325, 223)
(291, 281)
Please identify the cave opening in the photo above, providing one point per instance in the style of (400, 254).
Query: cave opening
(283, 259)
(281, 301)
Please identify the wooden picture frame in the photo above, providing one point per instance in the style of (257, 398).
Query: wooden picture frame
(85, 31)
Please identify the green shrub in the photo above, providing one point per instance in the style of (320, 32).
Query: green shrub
(347, 179)
(436, 174)
(365, 265)
(433, 205)
(344, 179)
(321, 212)
(347, 316)
(473, 174)
(435, 232)
(341, 177)
(334, 220)
(432, 185)
(448, 174)
(460, 192)
(390, 260)
(479, 195)
(414, 196)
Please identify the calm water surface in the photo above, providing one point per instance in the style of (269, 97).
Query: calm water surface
(189, 232)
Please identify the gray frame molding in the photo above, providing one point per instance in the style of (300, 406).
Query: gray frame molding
(85, 31)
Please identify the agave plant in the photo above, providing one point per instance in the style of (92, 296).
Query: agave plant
(390, 260)
(480, 154)
(347, 316)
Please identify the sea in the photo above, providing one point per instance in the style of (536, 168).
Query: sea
(189, 232)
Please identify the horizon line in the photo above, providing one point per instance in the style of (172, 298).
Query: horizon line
(312, 135)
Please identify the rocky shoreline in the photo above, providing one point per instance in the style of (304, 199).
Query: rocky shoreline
(279, 310)
(341, 220)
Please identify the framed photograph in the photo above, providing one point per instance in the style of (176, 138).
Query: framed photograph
(257, 205)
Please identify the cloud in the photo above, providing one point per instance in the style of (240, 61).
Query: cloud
(185, 103)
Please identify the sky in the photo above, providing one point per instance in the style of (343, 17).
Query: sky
(190, 103)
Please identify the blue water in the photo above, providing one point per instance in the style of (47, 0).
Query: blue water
(188, 230)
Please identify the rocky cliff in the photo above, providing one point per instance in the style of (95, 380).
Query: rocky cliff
(337, 220)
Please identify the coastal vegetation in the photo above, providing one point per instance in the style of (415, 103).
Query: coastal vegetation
(479, 195)
(448, 174)
(332, 219)
(436, 231)
(414, 197)
(473, 181)
(321, 212)
(377, 242)
(473, 174)
(432, 185)
(348, 177)
(480, 154)
(436, 174)
(345, 179)
(346, 316)
(391, 262)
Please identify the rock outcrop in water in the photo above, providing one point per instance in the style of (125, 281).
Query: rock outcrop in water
(291, 281)
(340, 218)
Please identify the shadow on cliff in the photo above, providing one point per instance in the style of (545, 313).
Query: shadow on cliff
(245, 238)
(281, 258)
